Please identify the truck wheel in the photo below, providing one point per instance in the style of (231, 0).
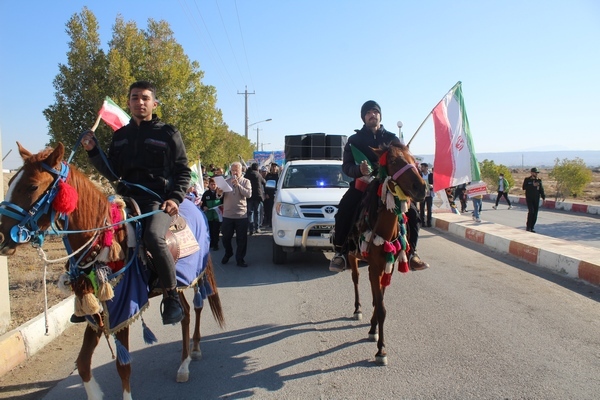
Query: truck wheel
(279, 256)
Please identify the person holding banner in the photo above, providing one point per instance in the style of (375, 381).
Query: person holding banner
(533, 191)
(151, 155)
(372, 135)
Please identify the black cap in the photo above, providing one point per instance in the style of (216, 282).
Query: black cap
(369, 105)
(534, 169)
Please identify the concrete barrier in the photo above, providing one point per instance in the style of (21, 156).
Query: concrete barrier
(554, 205)
(23, 342)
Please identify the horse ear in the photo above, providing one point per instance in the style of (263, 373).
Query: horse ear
(56, 156)
(25, 154)
(377, 151)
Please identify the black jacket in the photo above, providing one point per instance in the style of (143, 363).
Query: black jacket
(257, 182)
(532, 191)
(363, 140)
(151, 155)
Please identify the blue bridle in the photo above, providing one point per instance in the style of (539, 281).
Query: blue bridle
(27, 228)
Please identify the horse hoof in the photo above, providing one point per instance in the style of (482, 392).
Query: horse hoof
(373, 337)
(196, 355)
(357, 316)
(381, 360)
(183, 377)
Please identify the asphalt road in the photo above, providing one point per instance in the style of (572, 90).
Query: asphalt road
(476, 325)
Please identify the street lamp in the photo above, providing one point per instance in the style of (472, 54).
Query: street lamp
(400, 135)
(257, 129)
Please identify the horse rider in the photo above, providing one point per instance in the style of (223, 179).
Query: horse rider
(149, 154)
(372, 135)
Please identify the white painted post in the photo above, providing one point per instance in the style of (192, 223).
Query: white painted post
(4, 297)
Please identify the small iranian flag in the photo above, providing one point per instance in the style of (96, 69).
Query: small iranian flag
(454, 161)
(113, 115)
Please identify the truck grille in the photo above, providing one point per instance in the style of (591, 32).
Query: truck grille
(318, 211)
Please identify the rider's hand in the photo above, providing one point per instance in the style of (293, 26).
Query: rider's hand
(364, 168)
(87, 141)
(170, 207)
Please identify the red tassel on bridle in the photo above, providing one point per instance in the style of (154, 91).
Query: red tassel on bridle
(383, 159)
(65, 201)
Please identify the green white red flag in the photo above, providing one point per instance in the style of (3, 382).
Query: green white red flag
(113, 115)
(454, 161)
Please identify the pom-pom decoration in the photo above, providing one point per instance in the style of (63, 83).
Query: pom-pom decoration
(66, 198)
(383, 159)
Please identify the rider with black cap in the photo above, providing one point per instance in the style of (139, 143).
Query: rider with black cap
(372, 135)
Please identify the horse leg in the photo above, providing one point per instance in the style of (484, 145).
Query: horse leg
(183, 373)
(353, 261)
(124, 370)
(378, 318)
(84, 364)
(196, 352)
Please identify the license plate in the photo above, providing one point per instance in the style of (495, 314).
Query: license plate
(325, 235)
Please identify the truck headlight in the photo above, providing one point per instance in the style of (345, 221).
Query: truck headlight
(286, 210)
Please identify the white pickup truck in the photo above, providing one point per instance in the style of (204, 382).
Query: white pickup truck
(308, 193)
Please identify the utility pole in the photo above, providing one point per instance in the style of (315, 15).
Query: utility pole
(245, 93)
(257, 140)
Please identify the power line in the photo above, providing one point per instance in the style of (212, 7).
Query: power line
(229, 41)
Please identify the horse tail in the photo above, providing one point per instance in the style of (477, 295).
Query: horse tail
(214, 300)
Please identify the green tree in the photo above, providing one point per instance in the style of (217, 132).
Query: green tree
(490, 172)
(79, 84)
(134, 54)
(572, 176)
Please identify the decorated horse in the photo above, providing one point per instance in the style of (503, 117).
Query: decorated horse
(107, 268)
(380, 235)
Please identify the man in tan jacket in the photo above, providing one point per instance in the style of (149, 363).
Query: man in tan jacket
(235, 215)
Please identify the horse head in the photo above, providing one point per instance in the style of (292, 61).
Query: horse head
(401, 166)
(27, 192)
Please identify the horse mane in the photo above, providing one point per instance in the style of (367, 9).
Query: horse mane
(93, 207)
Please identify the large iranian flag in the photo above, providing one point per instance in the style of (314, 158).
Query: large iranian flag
(454, 161)
(113, 115)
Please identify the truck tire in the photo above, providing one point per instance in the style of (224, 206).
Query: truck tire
(279, 256)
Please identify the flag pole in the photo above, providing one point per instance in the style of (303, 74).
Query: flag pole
(431, 112)
(96, 123)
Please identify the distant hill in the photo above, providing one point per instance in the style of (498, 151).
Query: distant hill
(542, 159)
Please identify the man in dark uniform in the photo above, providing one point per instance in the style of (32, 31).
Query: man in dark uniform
(370, 136)
(533, 191)
(149, 153)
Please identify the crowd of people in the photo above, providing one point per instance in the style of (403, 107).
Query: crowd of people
(242, 211)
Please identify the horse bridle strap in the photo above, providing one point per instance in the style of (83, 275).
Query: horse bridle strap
(403, 170)
(27, 228)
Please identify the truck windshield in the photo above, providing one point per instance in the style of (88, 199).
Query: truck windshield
(316, 176)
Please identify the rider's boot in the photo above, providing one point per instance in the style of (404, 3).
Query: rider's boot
(170, 308)
(415, 263)
(338, 262)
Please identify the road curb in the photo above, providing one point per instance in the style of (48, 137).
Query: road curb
(561, 256)
(553, 205)
(23, 342)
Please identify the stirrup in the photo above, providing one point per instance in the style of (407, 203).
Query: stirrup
(336, 265)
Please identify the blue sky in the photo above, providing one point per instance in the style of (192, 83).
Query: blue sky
(529, 68)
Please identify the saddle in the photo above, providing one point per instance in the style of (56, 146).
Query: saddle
(179, 237)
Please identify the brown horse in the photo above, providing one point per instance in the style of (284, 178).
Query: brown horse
(380, 234)
(38, 196)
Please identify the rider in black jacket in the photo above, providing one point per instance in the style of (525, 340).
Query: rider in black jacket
(149, 153)
(370, 136)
